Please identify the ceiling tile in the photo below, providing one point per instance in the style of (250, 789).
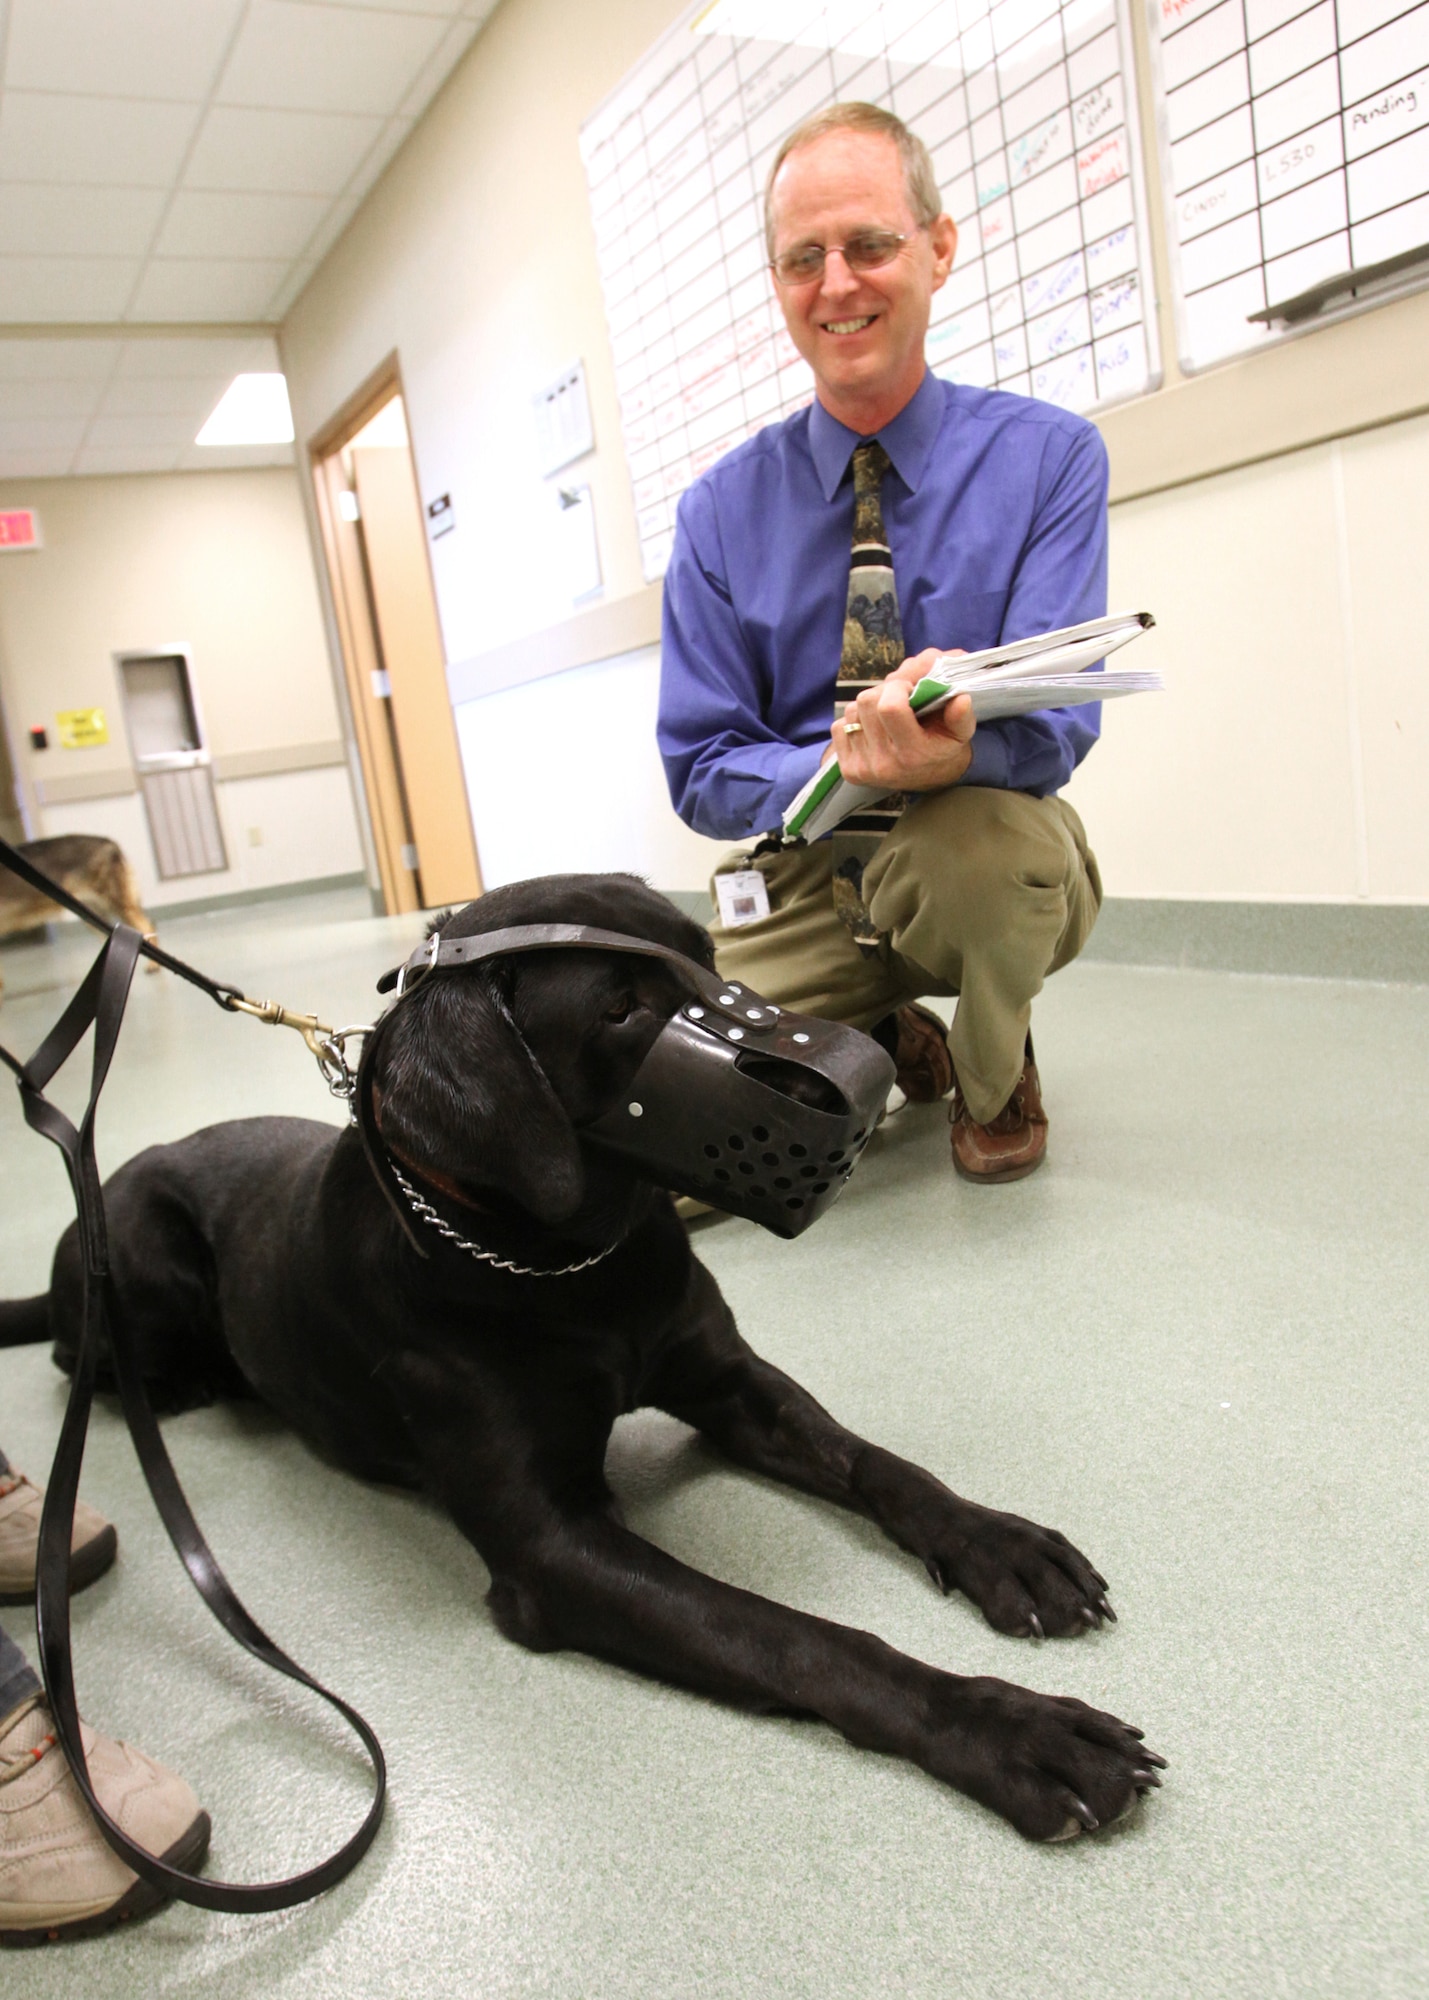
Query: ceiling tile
(132, 433)
(57, 288)
(206, 288)
(35, 464)
(120, 48)
(394, 137)
(162, 359)
(303, 152)
(438, 66)
(305, 58)
(40, 433)
(57, 360)
(110, 142)
(240, 225)
(334, 222)
(22, 400)
(293, 286)
(78, 222)
(107, 460)
(186, 396)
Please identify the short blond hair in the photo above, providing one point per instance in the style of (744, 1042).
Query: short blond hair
(918, 176)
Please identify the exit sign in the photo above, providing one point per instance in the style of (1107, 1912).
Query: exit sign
(19, 529)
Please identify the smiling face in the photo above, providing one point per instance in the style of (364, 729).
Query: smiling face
(862, 333)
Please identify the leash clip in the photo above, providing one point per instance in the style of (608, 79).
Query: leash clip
(327, 1045)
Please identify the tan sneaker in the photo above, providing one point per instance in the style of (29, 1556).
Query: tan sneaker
(1010, 1145)
(92, 1545)
(59, 1878)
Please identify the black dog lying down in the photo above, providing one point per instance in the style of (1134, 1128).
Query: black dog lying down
(262, 1255)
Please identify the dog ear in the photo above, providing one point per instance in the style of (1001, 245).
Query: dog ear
(463, 1095)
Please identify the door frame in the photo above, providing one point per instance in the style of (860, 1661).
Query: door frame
(358, 635)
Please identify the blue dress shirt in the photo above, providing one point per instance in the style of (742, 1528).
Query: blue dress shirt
(995, 511)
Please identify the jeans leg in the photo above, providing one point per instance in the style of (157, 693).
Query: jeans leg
(17, 1677)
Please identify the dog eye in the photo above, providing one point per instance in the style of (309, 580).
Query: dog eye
(623, 1008)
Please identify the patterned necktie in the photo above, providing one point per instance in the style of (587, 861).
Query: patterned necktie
(872, 647)
(873, 634)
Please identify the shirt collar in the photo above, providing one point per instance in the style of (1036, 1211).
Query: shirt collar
(908, 440)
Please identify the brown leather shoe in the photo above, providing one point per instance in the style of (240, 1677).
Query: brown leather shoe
(925, 1069)
(1012, 1144)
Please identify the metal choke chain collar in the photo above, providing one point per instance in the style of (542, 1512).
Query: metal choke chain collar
(430, 1216)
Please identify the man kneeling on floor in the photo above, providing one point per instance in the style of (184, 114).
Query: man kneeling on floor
(821, 566)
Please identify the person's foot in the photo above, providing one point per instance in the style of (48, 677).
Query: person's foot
(918, 1043)
(59, 1878)
(1009, 1146)
(92, 1546)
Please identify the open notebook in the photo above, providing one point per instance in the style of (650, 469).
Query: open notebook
(1049, 671)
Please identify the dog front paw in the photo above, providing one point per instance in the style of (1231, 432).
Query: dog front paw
(1025, 1580)
(1048, 1763)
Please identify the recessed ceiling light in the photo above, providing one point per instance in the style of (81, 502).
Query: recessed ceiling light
(253, 409)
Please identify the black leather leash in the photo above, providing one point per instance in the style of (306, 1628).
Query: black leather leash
(100, 1002)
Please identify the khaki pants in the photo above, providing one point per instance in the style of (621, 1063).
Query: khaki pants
(975, 892)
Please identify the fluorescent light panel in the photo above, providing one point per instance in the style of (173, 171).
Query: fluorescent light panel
(253, 409)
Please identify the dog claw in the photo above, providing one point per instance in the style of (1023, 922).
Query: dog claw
(1143, 1778)
(1085, 1814)
(1034, 1626)
(1088, 1617)
(1150, 1757)
(1105, 1609)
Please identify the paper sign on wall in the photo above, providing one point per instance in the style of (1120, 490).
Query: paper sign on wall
(19, 529)
(81, 728)
(563, 423)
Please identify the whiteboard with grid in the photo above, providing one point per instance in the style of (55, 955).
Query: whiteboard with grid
(1296, 136)
(1023, 105)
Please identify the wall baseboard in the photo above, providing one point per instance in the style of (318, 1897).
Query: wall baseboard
(274, 892)
(1381, 941)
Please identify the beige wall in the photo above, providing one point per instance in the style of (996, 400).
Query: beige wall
(474, 259)
(1286, 759)
(1291, 605)
(216, 562)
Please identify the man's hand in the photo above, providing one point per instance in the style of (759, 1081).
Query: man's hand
(892, 751)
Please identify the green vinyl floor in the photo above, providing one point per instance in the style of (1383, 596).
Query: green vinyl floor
(1196, 1342)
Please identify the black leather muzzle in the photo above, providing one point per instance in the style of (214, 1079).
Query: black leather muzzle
(739, 1102)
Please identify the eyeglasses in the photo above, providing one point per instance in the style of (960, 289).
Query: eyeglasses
(869, 250)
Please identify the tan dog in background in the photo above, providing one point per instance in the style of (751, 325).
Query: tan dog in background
(91, 868)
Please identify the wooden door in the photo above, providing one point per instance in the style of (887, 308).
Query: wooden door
(363, 672)
(412, 655)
